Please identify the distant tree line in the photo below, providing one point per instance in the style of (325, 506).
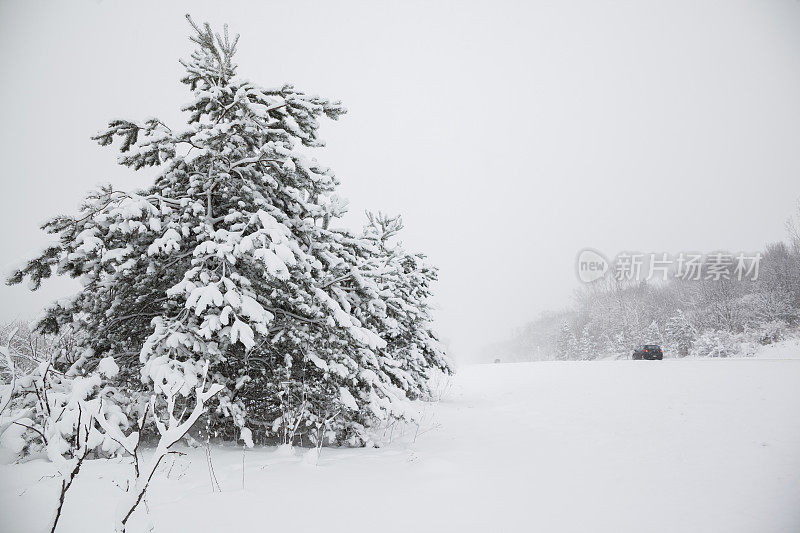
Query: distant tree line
(703, 318)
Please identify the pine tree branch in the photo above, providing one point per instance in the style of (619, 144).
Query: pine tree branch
(250, 160)
(336, 280)
(293, 315)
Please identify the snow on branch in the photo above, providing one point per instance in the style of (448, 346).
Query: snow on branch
(171, 431)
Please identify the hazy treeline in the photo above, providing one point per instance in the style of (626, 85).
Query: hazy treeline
(705, 318)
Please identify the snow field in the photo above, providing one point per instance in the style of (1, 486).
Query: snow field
(617, 446)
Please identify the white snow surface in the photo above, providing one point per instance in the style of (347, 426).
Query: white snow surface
(609, 446)
(108, 367)
(785, 349)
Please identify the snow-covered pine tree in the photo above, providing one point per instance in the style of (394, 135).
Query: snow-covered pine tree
(652, 334)
(229, 260)
(566, 343)
(587, 348)
(405, 280)
(680, 333)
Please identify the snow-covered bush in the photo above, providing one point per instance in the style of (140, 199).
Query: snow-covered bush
(74, 415)
(170, 384)
(230, 261)
(716, 344)
(64, 415)
(29, 347)
(769, 332)
(55, 413)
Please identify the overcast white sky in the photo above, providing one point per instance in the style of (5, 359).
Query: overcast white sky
(509, 135)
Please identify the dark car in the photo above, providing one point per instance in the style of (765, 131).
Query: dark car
(648, 351)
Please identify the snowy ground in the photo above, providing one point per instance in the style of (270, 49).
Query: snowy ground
(616, 446)
(787, 349)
